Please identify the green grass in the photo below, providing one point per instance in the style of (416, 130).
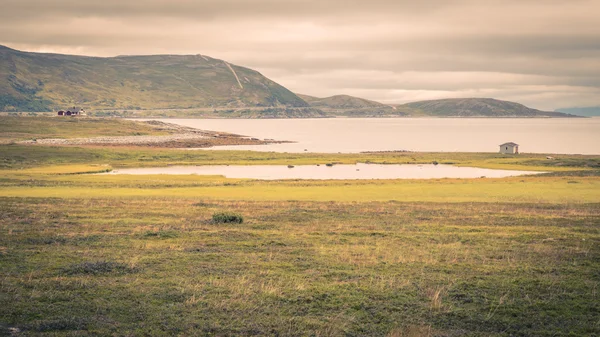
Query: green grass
(19, 157)
(141, 255)
(518, 190)
(298, 268)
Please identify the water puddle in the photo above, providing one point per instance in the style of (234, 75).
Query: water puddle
(328, 171)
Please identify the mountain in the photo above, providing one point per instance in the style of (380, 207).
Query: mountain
(473, 107)
(344, 105)
(586, 111)
(45, 82)
(341, 102)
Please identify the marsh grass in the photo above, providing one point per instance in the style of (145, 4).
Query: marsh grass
(20, 156)
(23, 128)
(299, 267)
(62, 324)
(97, 268)
(160, 234)
(114, 255)
(518, 189)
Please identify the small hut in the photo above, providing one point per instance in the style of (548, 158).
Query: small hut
(61, 113)
(509, 148)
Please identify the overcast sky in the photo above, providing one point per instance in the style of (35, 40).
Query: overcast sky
(542, 53)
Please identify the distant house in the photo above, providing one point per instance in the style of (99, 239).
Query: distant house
(74, 111)
(509, 148)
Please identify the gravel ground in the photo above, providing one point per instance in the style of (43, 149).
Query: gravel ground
(133, 140)
(178, 137)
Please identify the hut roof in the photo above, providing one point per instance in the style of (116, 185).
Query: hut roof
(509, 144)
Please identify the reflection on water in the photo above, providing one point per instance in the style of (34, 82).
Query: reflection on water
(332, 135)
(358, 171)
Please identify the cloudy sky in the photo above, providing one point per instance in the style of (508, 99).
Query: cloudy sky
(543, 53)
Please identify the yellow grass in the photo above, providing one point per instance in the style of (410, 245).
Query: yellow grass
(530, 189)
(63, 169)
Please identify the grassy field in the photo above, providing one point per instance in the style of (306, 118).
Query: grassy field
(118, 255)
(25, 128)
(518, 190)
(158, 266)
(20, 156)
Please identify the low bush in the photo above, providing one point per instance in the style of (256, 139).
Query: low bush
(225, 217)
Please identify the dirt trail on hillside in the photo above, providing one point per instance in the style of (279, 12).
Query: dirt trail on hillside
(234, 74)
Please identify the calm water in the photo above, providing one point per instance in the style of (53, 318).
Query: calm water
(332, 135)
(358, 171)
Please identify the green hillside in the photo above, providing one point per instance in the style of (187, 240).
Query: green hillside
(344, 105)
(473, 107)
(342, 102)
(45, 82)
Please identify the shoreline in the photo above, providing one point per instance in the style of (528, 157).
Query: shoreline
(179, 137)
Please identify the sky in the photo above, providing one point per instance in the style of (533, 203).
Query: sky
(542, 53)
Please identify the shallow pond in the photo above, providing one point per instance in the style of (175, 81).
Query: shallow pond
(358, 171)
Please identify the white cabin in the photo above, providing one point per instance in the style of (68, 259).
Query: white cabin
(509, 148)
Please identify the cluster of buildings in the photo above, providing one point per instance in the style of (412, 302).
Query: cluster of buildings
(74, 111)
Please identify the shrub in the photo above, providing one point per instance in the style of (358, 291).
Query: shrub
(225, 217)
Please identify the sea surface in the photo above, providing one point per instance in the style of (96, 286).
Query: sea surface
(352, 135)
(322, 171)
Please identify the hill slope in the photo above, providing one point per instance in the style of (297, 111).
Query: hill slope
(349, 106)
(474, 107)
(42, 82)
(341, 102)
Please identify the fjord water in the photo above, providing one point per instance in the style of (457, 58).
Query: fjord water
(357, 171)
(348, 135)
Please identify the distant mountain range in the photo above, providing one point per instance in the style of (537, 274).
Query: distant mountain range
(474, 107)
(345, 105)
(453, 107)
(196, 85)
(586, 111)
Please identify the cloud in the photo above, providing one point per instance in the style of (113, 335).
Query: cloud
(542, 52)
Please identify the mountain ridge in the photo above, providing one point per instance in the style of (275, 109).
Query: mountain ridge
(474, 107)
(341, 101)
(351, 106)
(344, 105)
(48, 81)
